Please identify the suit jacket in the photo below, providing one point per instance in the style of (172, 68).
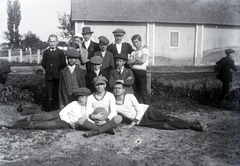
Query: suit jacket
(127, 76)
(63, 97)
(108, 60)
(91, 75)
(126, 48)
(226, 64)
(93, 47)
(53, 63)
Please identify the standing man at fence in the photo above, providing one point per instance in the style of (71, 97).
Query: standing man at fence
(53, 62)
(225, 74)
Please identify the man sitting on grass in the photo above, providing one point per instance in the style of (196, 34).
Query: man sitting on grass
(59, 119)
(145, 115)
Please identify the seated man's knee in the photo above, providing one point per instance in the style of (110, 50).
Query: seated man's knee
(117, 119)
(81, 120)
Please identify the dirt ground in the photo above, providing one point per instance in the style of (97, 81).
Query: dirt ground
(218, 145)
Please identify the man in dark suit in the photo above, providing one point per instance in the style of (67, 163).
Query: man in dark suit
(108, 59)
(225, 74)
(122, 73)
(72, 77)
(88, 44)
(53, 62)
(97, 71)
(119, 46)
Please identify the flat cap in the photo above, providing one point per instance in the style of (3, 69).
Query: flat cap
(99, 114)
(72, 53)
(99, 79)
(78, 35)
(121, 56)
(119, 82)
(96, 60)
(119, 32)
(82, 92)
(229, 51)
(103, 40)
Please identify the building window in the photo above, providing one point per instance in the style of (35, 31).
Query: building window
(174, 37)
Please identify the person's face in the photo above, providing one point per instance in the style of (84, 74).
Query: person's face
(100, 87)
(82, 100)
(103, 47)
(97, 67)
(87, 36)
(118, 38)
(120, 63)
(118, 89)
(71, 61)
(78, 41)
(137, 43)
(53, 42)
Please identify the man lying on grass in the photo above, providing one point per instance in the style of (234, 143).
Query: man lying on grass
(145, 115)
(74, 115)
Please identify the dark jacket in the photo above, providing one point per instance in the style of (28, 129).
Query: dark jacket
(53, 63)
(226, 64)
(108, 61)
(90, 76)
(126, 48)
(63, 97)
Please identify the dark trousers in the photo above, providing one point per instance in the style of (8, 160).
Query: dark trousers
(140, 86)
(52, 91)
(153, 118)
(48, 120)
(225, 90)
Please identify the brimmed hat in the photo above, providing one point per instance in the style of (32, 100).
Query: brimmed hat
(121, 56)
(72, 53)
(82, 92)
(96, 60)
(99, 113)
(229, 51)
(78, 35)
(103, 40)
(120, 32)
(86, 30)
(99, 79)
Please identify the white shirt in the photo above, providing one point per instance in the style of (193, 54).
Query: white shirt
(87, 43)
(119, 47)
(103, 53)
(107, 102)
(71, 68)
(130, 108)
(97, 72)
(72, 112)
(138, 54)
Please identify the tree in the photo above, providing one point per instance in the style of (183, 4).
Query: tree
(31, 40)
(14, 18)
(65, 25)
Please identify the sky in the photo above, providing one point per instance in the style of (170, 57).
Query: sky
(38, 16)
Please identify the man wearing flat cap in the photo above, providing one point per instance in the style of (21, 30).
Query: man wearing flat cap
(72, 77)
(122, 73)
(225, 75)
(108, 60)
(119, 46)
(60, 119)
(96, 62)
(88, 44)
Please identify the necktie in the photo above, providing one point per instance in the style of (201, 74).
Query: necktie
(119, 71)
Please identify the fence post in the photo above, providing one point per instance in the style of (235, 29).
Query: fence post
(30, 52)
(9, 55)
(38, 56)
(21, 55)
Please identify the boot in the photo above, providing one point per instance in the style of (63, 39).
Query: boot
(23, 125)
(196, 127)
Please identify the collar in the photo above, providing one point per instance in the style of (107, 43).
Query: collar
(88, 42)
(71, 68)
(119, 43)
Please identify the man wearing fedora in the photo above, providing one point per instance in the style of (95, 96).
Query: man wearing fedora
(88, 44)
(108, 59)
(72, 77)
(225, 75)
(120, 46)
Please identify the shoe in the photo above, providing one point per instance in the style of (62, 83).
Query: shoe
(196, 127)
(91, 133)
(111, 131)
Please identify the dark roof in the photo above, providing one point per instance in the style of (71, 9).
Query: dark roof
(225, 12)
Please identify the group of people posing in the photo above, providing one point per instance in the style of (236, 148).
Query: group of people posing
(94, 86)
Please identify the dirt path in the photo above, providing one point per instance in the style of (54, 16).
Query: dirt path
(218, 145)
